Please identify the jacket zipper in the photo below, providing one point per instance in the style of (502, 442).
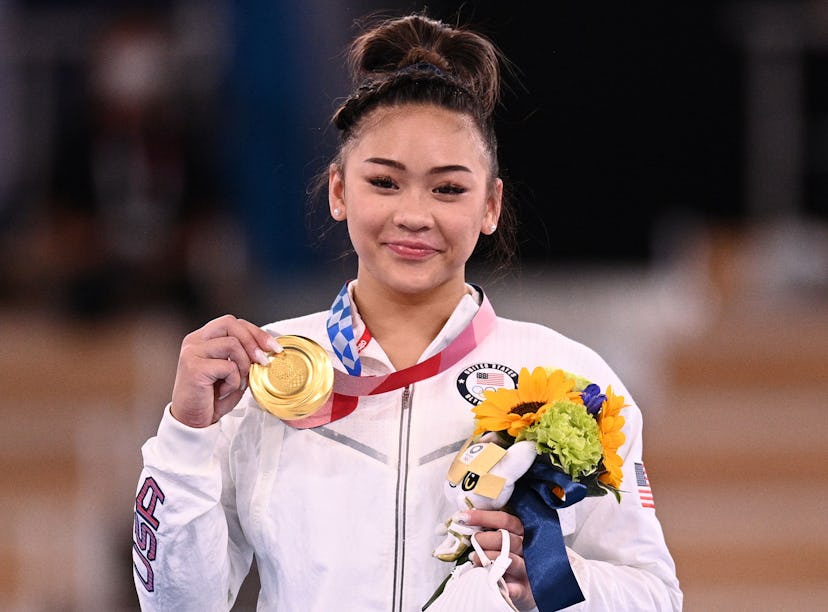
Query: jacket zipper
(402, 480)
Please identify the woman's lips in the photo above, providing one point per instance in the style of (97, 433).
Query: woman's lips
(412, 250)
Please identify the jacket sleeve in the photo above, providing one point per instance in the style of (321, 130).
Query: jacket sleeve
(618, 552)
(189, 552)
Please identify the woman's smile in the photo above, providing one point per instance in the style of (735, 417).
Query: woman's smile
(411, 249)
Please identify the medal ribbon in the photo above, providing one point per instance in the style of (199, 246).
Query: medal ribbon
(347, 388)
(341, 332)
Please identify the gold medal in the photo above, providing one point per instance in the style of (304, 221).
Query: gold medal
(297, 382)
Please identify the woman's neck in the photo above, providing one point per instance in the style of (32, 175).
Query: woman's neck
(403, 324)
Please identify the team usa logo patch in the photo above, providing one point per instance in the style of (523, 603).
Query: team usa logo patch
(480, 377)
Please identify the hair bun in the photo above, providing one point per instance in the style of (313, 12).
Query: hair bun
(420, 56)
(471, 60)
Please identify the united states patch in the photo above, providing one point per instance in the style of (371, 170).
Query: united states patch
(645, 493)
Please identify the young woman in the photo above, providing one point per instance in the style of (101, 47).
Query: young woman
(340, 508)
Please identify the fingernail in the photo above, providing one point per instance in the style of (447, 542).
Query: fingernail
(462, 517)
(274, 346)
(243, 386)
(261, 358)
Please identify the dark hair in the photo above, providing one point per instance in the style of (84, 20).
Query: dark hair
(417, 59)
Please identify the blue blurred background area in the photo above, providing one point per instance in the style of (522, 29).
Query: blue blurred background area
(669, 170)
(159, 154)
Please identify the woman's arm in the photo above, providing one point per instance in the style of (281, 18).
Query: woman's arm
(189, 552)
(618, 552)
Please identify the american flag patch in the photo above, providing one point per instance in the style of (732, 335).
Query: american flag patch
(645, 493)
(494, 379)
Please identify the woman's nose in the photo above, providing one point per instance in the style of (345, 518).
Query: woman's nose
(414, 212)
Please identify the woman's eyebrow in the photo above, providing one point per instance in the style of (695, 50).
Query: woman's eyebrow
(385, 162)
(449, 168)
(382, 161)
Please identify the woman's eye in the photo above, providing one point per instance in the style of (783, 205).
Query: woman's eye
(450, 190)
(383, 182)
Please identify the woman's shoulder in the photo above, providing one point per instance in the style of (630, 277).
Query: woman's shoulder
(532, 330)
(534, 341)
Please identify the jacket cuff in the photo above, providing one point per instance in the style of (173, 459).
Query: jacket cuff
(189, 448)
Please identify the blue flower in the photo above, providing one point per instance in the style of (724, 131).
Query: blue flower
(593, 398)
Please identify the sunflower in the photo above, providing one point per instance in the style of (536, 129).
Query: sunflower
(513, 410)
(610, 423)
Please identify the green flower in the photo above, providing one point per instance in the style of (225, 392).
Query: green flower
(569, 435)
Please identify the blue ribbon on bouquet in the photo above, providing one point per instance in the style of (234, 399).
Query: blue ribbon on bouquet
(553, 583)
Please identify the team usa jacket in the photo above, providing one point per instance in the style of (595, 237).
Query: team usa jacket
(343, 516)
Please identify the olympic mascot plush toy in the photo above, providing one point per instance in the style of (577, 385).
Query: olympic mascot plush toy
(482, 476)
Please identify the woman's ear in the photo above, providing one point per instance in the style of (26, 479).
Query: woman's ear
(493, 203)
(336, 193)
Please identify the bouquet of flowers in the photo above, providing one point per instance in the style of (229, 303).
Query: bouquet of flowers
(568, 432)
(576, 426)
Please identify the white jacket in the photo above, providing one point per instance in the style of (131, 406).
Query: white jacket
(343, 516)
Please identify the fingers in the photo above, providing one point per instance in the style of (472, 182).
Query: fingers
(495, 519)
(516, 570)
(516, 578)
(231, 339)
(491, 542)
(517, 584)
(490, 539)
(213, 367)
(254, 340)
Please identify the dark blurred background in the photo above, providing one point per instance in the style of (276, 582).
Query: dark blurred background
(669, 167)
(188, 132)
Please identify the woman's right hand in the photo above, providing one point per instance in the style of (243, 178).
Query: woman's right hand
(213, 366)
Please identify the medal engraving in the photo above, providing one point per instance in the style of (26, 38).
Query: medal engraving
(297, 382)
(287, 373)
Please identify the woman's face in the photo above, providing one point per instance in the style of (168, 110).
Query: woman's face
(416, 191)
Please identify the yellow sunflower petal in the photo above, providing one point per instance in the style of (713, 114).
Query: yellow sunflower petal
(613, 440)
(519, 425)
(559, 386)
(531, 385)
(610, 423)
(492, 424)
(487, 410)
(612, 477)
(506, 399)
(613, 404)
